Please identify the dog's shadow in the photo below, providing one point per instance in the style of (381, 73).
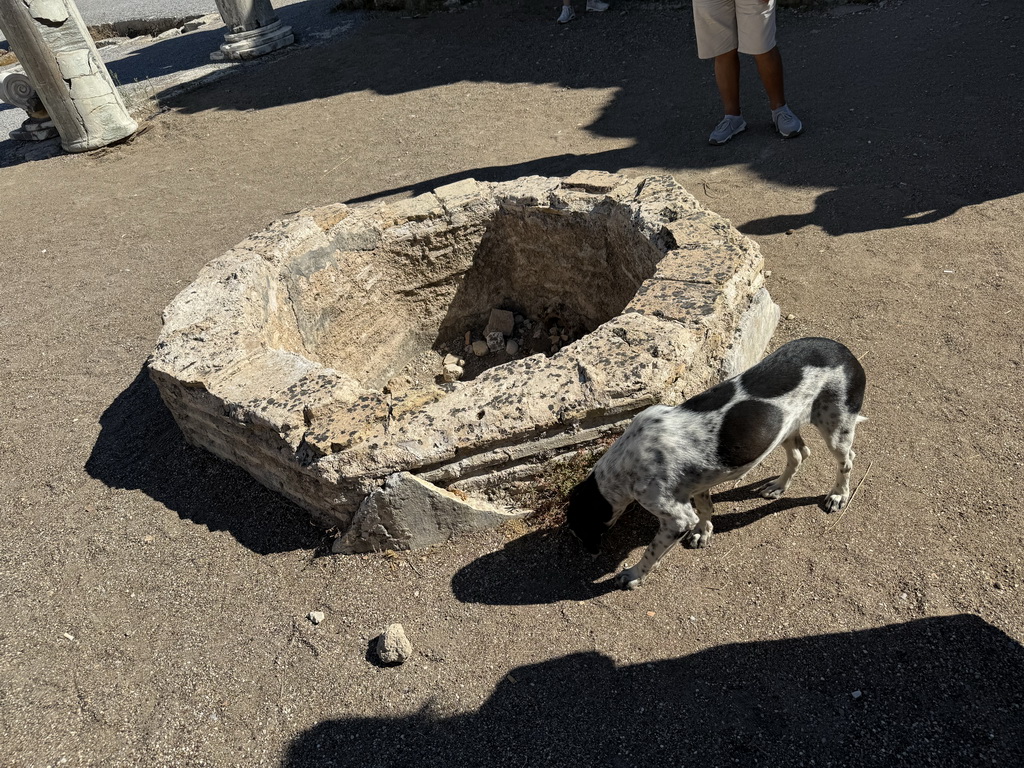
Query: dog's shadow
(547, 566)
(730, 521)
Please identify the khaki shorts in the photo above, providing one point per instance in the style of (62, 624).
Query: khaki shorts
(728, 25)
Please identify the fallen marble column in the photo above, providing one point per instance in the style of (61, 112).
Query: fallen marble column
(61, 61)
(255, 30)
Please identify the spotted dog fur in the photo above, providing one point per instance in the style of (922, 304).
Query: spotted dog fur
(670, 457)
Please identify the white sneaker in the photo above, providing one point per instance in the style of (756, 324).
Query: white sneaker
(786, 123)
(725, 130)
(568, 14)
(597, 5)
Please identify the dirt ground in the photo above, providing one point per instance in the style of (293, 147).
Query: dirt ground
(154, 598)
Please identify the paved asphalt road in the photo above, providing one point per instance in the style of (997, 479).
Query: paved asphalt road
(106, 11)
(99, 11)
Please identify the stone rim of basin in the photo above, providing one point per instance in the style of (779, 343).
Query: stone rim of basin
(327, 442)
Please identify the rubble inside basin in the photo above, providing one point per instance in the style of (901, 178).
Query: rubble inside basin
(332, 356)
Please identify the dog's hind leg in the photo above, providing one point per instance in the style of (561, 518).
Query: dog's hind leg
(677, 520)
(796, 451)
(700, 536)
(838, 432)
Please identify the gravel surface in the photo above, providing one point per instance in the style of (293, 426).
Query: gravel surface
(155, 599)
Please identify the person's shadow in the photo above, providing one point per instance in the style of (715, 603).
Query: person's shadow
(907, 120)
(946, 691)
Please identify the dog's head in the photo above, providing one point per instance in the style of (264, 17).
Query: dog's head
(589, 514)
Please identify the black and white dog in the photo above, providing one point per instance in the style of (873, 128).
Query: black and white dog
(669, 458)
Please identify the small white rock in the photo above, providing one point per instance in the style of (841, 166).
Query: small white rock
(495, 341)
(856, 694)
(791, 317)
(480, 348)
(393, 647)
(315, 616)
(452, 373)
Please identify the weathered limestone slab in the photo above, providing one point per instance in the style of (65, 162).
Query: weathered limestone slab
(410, 513)
(287, 355)
(753, 334)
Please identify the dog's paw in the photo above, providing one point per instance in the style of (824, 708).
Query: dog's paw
(834, 502)
(774, 489)
(629, 579)
(697, 540)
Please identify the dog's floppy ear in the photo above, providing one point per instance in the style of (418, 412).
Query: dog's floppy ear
(589, 514)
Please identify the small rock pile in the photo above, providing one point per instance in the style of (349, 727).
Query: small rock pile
(507, 335)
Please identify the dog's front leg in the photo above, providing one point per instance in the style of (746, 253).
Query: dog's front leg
(700, 536)
(677, 520)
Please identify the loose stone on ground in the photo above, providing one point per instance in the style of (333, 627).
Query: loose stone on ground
(393, 647)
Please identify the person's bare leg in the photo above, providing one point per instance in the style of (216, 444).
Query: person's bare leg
(769, 67)
(727, 78)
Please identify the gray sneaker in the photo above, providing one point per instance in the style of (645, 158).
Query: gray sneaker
(568, 14)
(729, 127)
(597, 5)
(786, 123)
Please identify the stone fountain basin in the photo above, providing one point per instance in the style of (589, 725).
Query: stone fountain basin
(283, 356)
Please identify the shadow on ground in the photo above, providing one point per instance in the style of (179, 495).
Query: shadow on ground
(943, 691)
(521, 572)
(909, 111)
(141, 448)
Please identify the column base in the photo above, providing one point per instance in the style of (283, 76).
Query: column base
(35, 130)
(240, 46)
